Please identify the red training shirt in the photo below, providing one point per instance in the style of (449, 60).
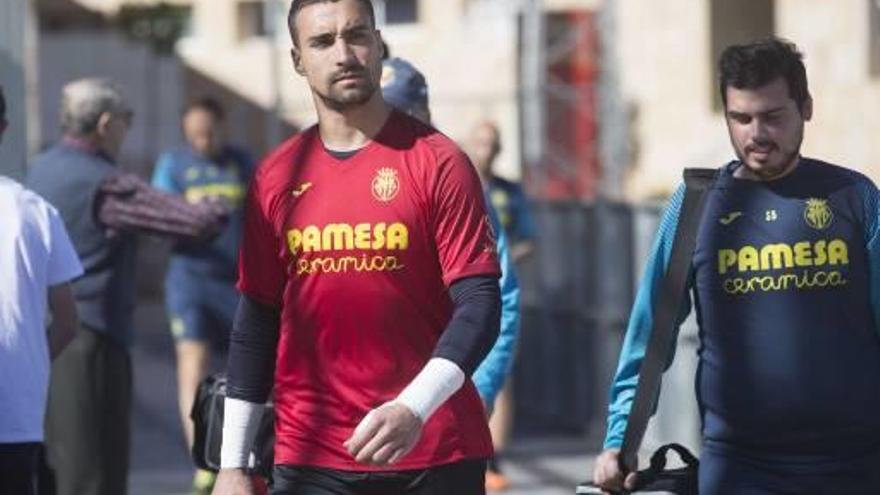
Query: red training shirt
(358, 254)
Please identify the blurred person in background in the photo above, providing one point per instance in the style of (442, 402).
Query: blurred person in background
(369, 276)
(483, 146)
(406, 89)
(88, 421)
(786, 285)
(509, 200)
(37, 263)
(200, 293)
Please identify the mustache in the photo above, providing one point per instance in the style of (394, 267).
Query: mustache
(348, 72)
(760, 144)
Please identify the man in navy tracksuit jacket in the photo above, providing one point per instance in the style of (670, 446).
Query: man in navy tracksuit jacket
(786, 289)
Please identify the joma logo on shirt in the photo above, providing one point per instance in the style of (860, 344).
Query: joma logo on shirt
(779, 256)
(343, 236)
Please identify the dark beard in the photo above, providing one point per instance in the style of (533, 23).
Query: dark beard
(787, 164)
(788, 161)
(340, 103)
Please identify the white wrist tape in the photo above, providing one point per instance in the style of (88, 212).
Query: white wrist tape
(433, 386)
(241, 420)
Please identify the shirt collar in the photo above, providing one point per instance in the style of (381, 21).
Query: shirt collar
(85, 146)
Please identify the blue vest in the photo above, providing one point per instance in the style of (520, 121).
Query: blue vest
(69, 179)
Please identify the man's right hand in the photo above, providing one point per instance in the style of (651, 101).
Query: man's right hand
(233, 482)
(607, 473)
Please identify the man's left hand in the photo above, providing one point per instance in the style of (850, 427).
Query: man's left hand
(385, 435)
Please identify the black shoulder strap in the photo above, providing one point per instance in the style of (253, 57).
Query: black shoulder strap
(698, 181)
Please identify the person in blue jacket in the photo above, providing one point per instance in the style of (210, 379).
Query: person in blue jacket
(507, 197)
(405, 88)
(786, 288)
(509, 200)
(200, 284)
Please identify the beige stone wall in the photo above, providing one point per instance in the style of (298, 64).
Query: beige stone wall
(214, 24)
(846, 119)
(440, 14)
(466, 48)
(470, 62)
(571, 4)
(471, 71)
(111, 6)
(468, 52)
(667, 76)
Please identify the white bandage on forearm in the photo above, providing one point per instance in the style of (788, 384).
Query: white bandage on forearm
(241, 420)
(433, 386)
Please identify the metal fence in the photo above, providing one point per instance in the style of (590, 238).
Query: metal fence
(577, 294)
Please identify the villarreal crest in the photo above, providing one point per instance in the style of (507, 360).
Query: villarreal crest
(818, 214)
(385, 184)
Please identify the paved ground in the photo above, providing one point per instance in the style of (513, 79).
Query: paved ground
(160, 464)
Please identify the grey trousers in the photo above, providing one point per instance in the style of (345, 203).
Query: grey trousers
(88, 420)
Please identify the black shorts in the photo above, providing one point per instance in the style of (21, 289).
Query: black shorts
(460, 478)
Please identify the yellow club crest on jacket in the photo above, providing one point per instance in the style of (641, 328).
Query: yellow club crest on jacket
(818, 214)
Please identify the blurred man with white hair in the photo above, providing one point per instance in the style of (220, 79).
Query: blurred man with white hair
(87, 427)
(37, 263)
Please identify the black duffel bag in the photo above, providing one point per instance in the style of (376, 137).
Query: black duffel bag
(207, 417)
(657, 479)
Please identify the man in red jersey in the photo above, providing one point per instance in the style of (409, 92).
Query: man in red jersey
(369, 289)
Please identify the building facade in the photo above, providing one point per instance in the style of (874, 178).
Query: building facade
(613, 96)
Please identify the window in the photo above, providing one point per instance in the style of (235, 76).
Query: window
(874, 38)
(398, 11)
(185, 13)
(736, 22)
(251, 19)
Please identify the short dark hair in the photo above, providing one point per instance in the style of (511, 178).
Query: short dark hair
(2, 105)
(752, 65)
(298, 5)
(208, 104)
